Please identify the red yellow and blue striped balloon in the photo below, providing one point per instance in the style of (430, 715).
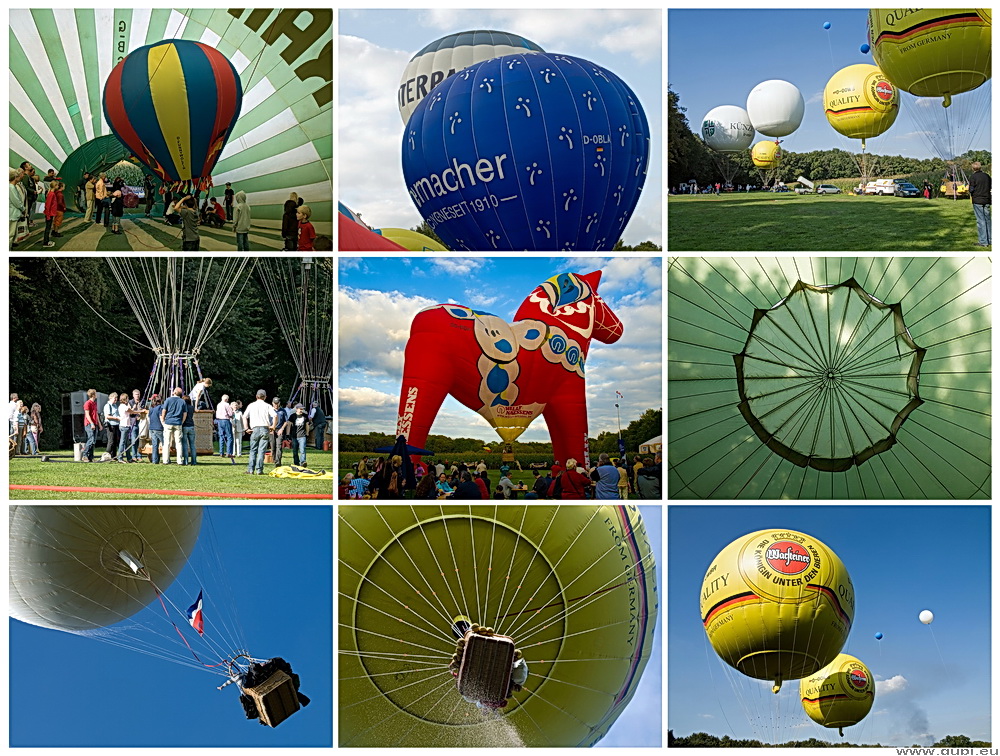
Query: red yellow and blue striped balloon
(174, 104)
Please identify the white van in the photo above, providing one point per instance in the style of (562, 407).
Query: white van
(882, 187)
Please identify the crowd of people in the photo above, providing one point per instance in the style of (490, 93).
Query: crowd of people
(24, 425)
(104, 202)
(385, 478)
(135, 427)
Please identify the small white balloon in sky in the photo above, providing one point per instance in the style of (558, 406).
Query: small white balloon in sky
(927, 616)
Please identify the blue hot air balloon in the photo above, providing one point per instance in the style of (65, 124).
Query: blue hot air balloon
(527, 152)
(879, 636)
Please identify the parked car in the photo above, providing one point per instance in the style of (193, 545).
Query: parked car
(827, 189)
(906, 189)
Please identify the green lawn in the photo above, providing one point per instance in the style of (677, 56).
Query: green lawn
(211, 475)
(788, 222)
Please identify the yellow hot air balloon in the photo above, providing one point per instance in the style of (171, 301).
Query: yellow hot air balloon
(839, 695)
(412, 240)
(766, 154)
(777, 605)
(932, 52)
(860, 102)
(573, 586)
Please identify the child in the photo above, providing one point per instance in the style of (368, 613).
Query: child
(290, 226)
(117, 211)
(306, 231)
(241, 222)
(51, 211)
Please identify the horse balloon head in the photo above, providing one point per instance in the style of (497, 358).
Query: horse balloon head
(571, 301)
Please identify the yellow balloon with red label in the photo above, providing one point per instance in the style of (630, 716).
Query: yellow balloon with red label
(932, 52)
(777, 605)
(766, 154)
(839, 695)
(860, 102)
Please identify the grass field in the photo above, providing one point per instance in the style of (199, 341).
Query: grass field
(788, 222)
(211, 475)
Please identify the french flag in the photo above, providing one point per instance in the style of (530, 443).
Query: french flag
(194, 615)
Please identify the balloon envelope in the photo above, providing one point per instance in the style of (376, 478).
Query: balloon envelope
(411, 240)
(777, 604)
(446, 56)
(727, 128)
(860, 102)
(766, 154)
(174, 104)
(775, 107)
(839, 695)
(926, 616)
(932, 52)
(527, 152)
(66, 572)
(879, 636)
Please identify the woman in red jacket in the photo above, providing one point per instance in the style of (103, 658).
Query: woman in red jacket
(569, 484)
(55, 206)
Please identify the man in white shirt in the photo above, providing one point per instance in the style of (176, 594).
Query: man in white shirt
(198, 390)
(224, 420)
(12, 412)
(259, 419)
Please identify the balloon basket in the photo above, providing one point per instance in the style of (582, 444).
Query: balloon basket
(276, 698)
(487, 661)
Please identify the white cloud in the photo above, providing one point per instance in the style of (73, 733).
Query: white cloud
(892, 685)
(367, 397)
(374, 327)
(458, 266)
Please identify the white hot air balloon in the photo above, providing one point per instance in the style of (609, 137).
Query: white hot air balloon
(775, 108)
(727, 128)
(926, 616)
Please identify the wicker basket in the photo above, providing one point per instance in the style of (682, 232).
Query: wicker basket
(486, 667)
(276, 698)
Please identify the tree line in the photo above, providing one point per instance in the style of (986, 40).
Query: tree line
(704, 740)
(689, 158)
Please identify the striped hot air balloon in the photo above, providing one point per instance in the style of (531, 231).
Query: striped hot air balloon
(174, 104)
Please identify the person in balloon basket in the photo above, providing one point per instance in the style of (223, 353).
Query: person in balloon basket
(290, 225)
(241, 222)
(981, 194)
(307, 233)
(188, 211)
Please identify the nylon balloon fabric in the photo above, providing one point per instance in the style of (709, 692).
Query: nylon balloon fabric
(527, 152)
(174, 104)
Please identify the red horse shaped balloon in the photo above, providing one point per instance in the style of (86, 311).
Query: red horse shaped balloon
(510, 373)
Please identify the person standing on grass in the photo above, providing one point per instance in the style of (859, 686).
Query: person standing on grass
(224, 421)
(260, 422)
(188, 434)
(91, 425)
(35, 426)
(318, 419)
(981, 194)
(174, 414)
(298, 431)
(278, 431)
(238, 428)
(155, 427)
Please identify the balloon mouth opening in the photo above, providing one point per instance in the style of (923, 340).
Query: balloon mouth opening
(778, 666)
(119, 549)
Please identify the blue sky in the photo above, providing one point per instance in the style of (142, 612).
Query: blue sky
(639, 725)
(715, 57)
(931, 680)
(375, 46)
(378, 298)
(68, 690)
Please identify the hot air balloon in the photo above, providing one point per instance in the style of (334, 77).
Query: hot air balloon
(174, 104)
(766, 155)
(775, 107)
(446, 56)
(411, 240)
(839, 695)
(777, 605)
(726, 129)
(941, 452)
(944, 55)
(510, 373)
(572, 588)
(879, 636)
(527, 152)
(926, 616)
(353, 236)
(861, 103)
